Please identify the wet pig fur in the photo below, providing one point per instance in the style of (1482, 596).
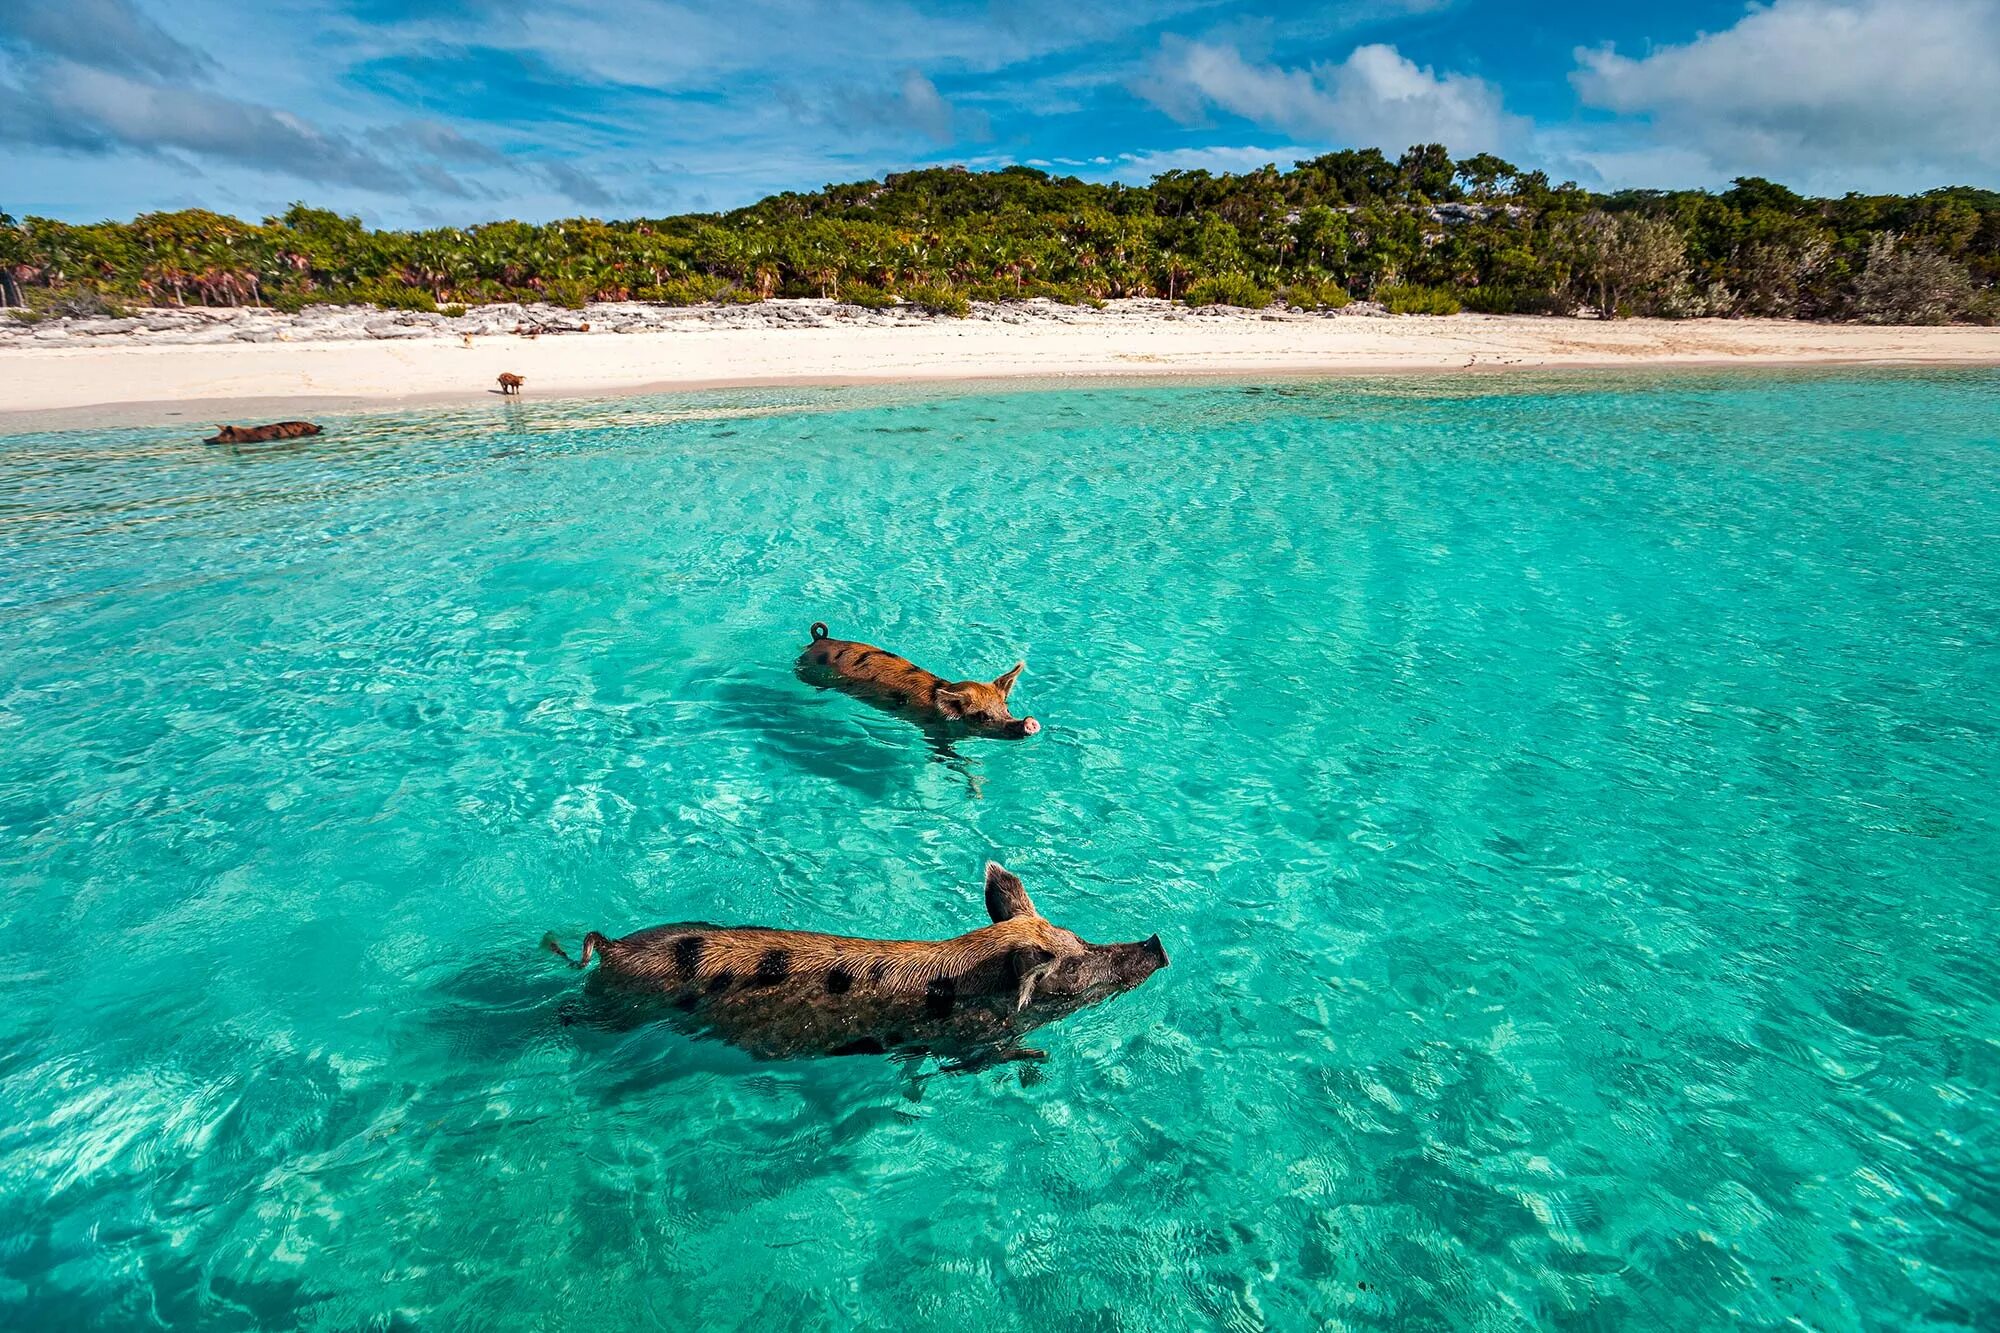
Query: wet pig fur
(277, 430)
(788, 994)
(896, 683)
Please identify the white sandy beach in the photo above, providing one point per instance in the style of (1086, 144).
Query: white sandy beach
(214, 365)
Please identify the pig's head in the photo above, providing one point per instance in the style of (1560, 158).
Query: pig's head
(1055, 971)
(982, 705)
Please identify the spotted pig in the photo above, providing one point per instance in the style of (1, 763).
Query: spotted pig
(787, 994)
(898, 684)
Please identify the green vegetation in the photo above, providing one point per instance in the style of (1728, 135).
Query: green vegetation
(936, 300)
(1420, 233)
(868, 298)
(1228, 289)
(1410, 298)
(1315, 295)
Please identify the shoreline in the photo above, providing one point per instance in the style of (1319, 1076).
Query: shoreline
(243, 365)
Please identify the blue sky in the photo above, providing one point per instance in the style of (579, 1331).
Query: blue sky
(420, 112)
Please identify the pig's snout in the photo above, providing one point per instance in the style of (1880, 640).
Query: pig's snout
(1152, 946)
(1027, 726)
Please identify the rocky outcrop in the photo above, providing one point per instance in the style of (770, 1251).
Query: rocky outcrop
(172, 326)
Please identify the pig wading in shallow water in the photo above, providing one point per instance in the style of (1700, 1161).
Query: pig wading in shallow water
(893, 682)
(277, 430)
(787, 994)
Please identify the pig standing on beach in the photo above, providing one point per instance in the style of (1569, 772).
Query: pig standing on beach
(894, 682)
(786, 994)
(278, 430)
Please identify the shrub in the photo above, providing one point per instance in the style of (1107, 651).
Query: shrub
(694, 289)
(1625, 261)
(1062, 293)
(938, 300)
(1409, 298)
(69, 302)
(394, 296)
(1516, 301)
(1315, 296)
(290, 303)
(451, 311)
(569, 293)
(1909, 284)
(1228, 289)
(1688, 300)
(868, 298)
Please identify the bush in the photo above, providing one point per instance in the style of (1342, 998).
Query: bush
(868, 298)
(72, 303)
(1623, 262)
(1062, 293)
(1315, 296)
(1516, 301)
(451, 311)
(290, 303)
(695, 289)
(1909, 284)
(938, 300)
(1228, 289)
(569, 293)
(1409, 298)
(391, 296)
(1688, 300)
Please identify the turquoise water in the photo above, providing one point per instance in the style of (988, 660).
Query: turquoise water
(1572, 808)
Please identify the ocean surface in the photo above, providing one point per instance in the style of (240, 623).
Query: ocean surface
(1571, 806)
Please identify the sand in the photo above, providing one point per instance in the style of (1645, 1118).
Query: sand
(242, 365)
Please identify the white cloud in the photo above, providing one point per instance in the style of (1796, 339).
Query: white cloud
(1375, 98)
(99, 111)
(1139, 168)
(914, 107)
(1829, 93)
(110, 34)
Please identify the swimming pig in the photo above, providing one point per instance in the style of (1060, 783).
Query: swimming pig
(884, 678)
(279, 430)
(784, 994)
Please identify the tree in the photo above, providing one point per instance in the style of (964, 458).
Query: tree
(13, 256)
(1486, 176)
(1906, 283)
(1776, 278)
(1620, 258)
(1427, 170)
(1353, 217)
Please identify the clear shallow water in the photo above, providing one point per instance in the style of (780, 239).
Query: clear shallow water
(1570, 806)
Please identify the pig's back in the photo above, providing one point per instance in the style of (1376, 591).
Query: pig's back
(877, 671)
(787, 993)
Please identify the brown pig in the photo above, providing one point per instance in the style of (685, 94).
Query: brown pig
(893, 682)
(277, 430)
(786, 994)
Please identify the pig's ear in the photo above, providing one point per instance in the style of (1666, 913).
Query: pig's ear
(1027, 965)
(950, 701)
(1005, 683)
(1005, 898)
